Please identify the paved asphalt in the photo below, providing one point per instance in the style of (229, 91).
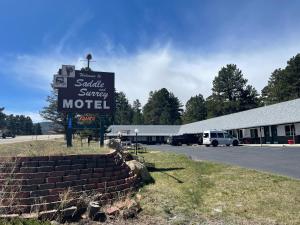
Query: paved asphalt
(278, 160)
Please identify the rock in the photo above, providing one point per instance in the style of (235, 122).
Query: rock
(129, 213)
(100, 216)
(140, 170)
(114, 144)
(112, 211)
(93, 209)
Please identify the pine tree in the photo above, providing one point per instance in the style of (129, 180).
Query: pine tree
(195, 109)
(137, 118)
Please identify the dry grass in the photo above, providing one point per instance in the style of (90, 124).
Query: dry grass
(189, 192)
(49, 147)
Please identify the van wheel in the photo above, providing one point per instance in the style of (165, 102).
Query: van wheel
(235, 143)
(215, 143)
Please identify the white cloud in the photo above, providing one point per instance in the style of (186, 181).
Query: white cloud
(184, 73)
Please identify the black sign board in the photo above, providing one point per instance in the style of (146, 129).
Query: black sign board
(88, 92)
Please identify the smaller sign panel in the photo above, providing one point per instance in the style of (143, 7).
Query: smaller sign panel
(60, 81)
(68, 71)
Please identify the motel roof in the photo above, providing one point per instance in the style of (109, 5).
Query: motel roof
(281, 113)
(276, 114)
(144, 130)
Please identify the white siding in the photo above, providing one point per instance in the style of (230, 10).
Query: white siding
(297, 127)
(280, 130)
(246, 133)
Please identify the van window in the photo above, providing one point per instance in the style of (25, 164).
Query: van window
(205, 135)
(220, 135)
(213, 135)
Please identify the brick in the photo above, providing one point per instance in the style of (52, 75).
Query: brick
(28, 169)
(63, 162)
(56, 157)
(98, 170)
(79, 182)
(101, 185)
(45, 169)
(76, 188)
(39, 175)
(72, 172)
(12, 181)
(108, 174)
(39, 193)
(46, 186)
(40, 158)
(70, 178)
(97, 175)
(30, 164)
(22, 194)
(85, 176)
(78, 161)
(56, 173)
(89, 186)
(51, 198)
(35, 181)
(93, 180)
(25, 201)
(77, 166)
(85, 171)
(64, 184)
(46, 163)
(56, 191)
(60, 168)
(53, 179)
(91, 165)
(29, 187)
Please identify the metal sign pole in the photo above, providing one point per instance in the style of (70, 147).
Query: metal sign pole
(101, 134)
(69, 130)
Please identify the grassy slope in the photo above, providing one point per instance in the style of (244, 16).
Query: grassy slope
(50, 147)
(186, 190)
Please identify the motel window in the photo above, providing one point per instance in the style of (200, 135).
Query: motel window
(253, 133)
(240, 133)
(289, 130)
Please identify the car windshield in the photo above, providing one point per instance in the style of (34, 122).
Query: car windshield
(205, 135)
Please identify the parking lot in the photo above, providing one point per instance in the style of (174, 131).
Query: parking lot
(278, 160)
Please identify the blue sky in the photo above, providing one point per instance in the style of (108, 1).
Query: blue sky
(149, 44)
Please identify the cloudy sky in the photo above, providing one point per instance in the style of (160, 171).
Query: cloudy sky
(149, 44)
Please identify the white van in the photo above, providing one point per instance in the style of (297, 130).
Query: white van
(217, 137)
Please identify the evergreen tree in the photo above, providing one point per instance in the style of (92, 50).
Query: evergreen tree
(37, 129)
(283, 84)
(137, 114)
(195, 109)
(2, 119)
(50, 112)
(162, 108)
(124, 112)
(231, 93)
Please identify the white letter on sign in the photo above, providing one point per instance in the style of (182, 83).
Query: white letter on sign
(67, 104)
(105, 106)
(98, 104)
(79, 104)
(88, 102)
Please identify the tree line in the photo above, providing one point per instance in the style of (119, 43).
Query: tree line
(231, 93)
(19, 124)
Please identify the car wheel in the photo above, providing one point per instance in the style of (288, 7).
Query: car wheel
(207, 145)
(227, 145)
(215, 143)
(179, 144)
(235, 143)
(3, 136)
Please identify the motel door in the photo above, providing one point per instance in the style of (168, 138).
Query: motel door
(274, 138)
(267, 135)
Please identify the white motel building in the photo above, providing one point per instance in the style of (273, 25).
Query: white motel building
(272, 124)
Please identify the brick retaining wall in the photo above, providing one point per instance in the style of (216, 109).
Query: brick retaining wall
(33, 184)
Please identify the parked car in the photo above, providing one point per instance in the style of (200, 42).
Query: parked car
(5, 134)
(188, 139)
(218, 137)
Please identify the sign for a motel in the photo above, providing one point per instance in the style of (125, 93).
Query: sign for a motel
(86, 92)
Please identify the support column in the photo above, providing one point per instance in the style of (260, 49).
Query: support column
(69, 130)
(101, 134)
